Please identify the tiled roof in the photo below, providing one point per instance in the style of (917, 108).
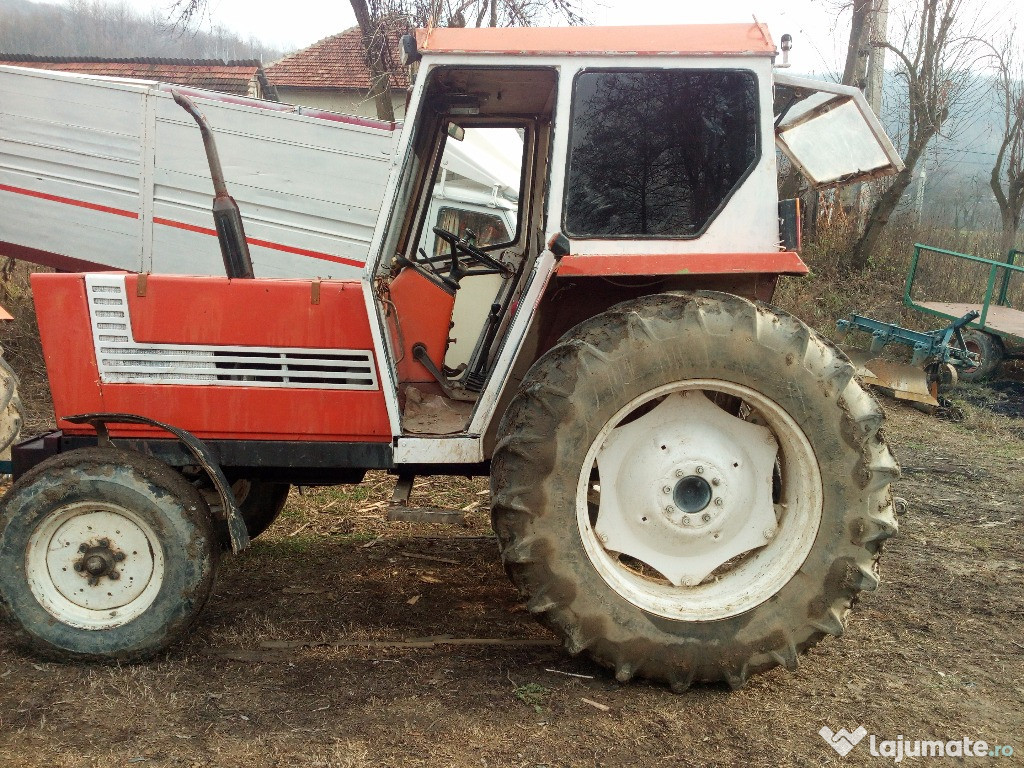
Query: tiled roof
(212, 74)
(337, 61)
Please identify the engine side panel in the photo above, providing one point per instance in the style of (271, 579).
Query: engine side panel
(223, 359)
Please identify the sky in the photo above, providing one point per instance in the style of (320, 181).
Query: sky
(811, 22)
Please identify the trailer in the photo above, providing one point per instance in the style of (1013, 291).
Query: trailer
(994, 290)
(107, 173)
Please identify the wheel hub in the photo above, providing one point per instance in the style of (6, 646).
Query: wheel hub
(98, 559)
(689, 487)
(94, 565)
(692, 494)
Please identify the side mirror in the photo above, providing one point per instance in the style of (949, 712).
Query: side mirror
(407, 50)
(559, 245)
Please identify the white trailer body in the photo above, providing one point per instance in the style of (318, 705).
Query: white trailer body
(75, 149)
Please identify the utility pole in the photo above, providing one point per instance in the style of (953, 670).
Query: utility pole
(873, 87)
(876, 58)
(919, 204)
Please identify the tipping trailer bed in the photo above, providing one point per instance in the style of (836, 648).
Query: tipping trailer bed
(1004, 321)
(107, 173)
(1000, 304)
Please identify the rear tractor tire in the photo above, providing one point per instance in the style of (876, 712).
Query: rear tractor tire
(692, 487)
(260, 503)
(989, 348)
(106, 555)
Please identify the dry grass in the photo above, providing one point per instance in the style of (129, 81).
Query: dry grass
(831, 292)
(22, 348)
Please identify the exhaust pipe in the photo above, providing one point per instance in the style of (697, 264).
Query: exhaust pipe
(226, 216)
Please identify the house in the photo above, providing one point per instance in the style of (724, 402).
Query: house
(332, 74)
(241, 78)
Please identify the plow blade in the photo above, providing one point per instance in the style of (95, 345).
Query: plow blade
(902, 380)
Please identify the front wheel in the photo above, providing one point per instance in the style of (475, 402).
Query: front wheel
(105, 555)
(990, 352)
(692, 487)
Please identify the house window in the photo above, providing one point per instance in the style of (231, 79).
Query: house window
(657, 153)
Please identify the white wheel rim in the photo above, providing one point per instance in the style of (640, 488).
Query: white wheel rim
(94, 565)
(686, 524)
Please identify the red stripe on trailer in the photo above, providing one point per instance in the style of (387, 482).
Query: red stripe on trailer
(84, 266)
(69, 201)
(624, 264)
(262, 243)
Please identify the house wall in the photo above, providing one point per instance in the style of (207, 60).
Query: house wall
(348, 102)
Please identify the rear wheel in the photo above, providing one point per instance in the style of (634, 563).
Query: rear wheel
(692, 487)
(987, 347)
(260, 503)
(106, 555)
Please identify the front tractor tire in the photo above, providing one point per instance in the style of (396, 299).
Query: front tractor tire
(12, 413)
(692, 487)
(106, 555)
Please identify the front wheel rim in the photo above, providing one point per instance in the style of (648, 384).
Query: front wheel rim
(695, 514)
(94, 565)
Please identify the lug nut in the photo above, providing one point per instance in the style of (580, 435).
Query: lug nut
(700, 470)
(105, 543)
(706, 517)
(719, 502)
(118, 556)
(666, 489)
(83, 548)
(716, 481)
(79, 567)
(686, 519)
(670, 509)
(115, 575)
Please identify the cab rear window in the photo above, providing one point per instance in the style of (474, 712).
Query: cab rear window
(657, 153)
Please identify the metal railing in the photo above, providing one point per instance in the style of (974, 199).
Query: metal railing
(1008, 268)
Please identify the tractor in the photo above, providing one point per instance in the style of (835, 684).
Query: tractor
(686, 483)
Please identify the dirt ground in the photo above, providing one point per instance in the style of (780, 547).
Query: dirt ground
(274, 674)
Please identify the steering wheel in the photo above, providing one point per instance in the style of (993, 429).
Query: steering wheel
(459, 246)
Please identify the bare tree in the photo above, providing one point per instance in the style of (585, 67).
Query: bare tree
(96, 28)
(376, 43)
(935, 59)
(380, 22)
(1007, 178)
(858, 50)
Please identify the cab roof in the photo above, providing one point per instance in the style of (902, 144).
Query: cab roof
(748, 39)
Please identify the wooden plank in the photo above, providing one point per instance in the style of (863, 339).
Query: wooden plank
(1004, 320)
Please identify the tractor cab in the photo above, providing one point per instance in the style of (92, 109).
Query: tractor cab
(455, 276)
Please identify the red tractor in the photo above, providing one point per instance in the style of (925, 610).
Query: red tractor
(686, 482)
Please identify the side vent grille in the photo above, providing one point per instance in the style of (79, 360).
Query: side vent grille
(122, 360)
